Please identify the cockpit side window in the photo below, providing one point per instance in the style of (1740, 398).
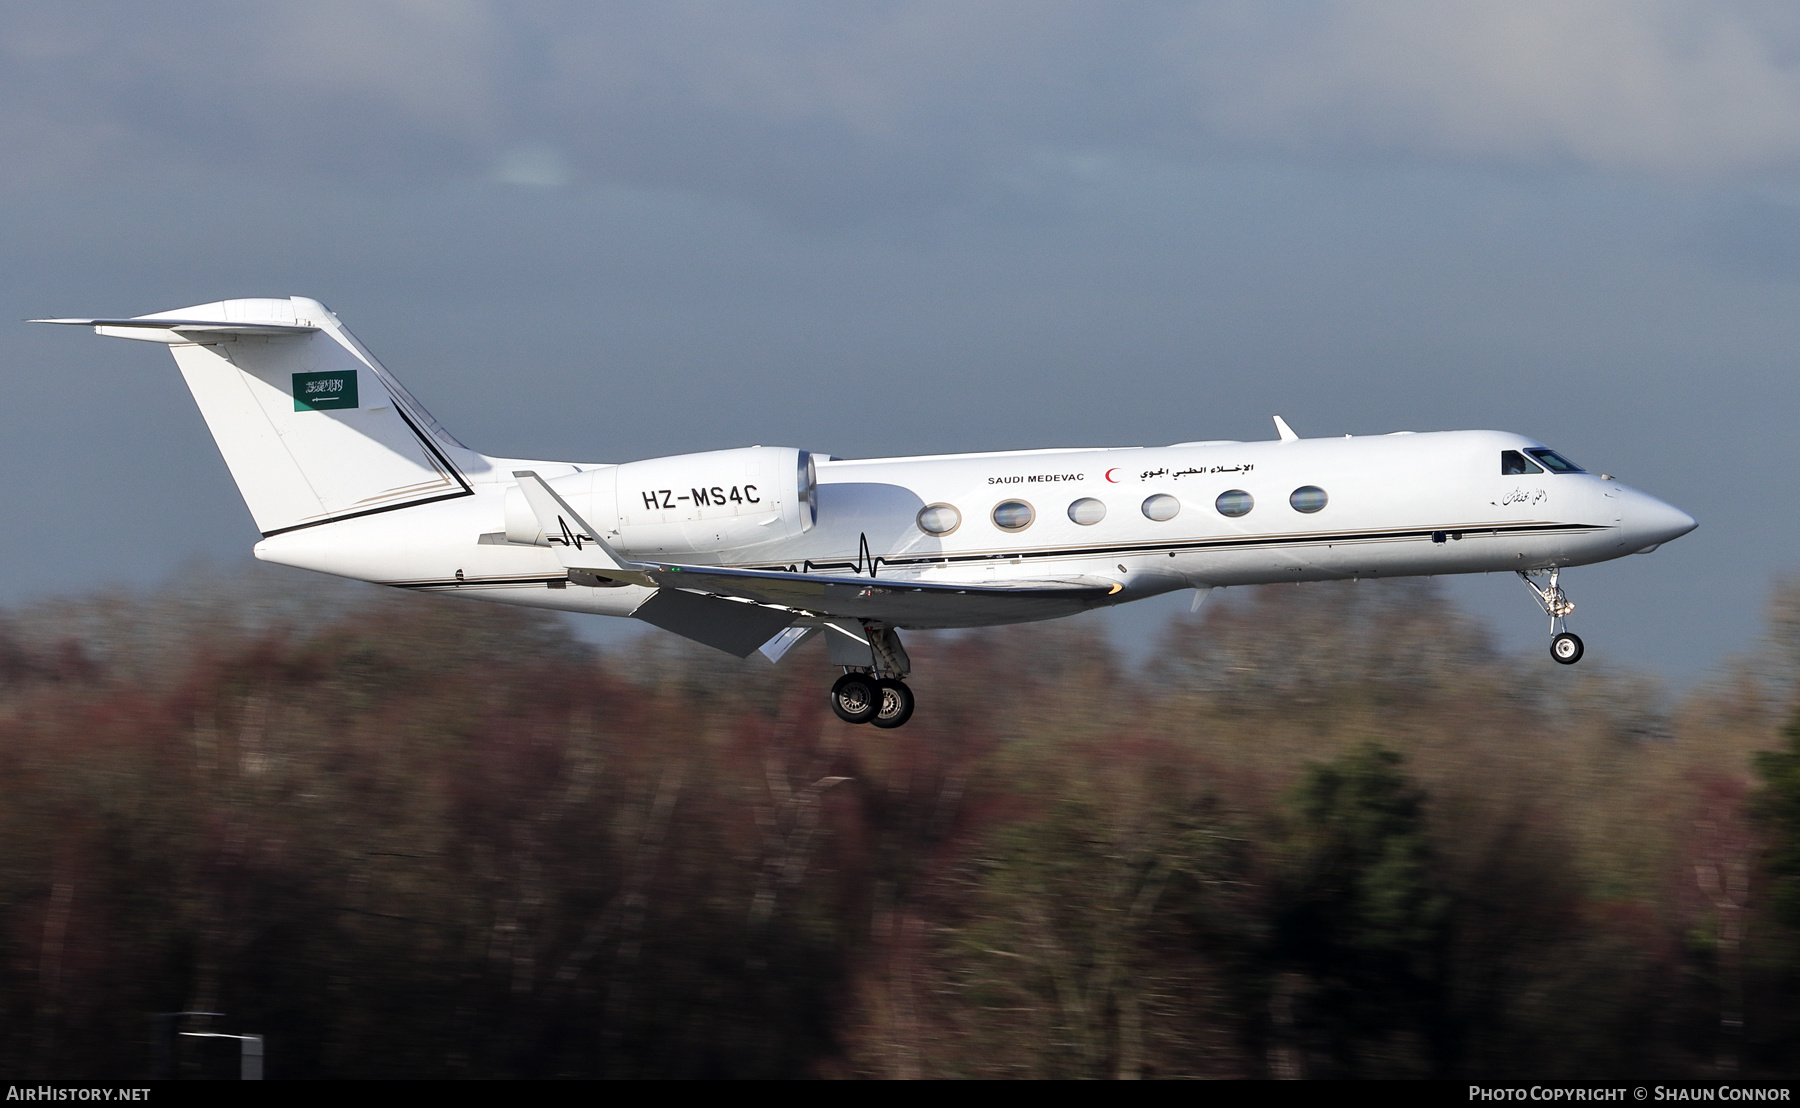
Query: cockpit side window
(1512, 462)
(1555, 462)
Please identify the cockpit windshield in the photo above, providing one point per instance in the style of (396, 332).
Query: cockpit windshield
(1512, 463)
(1554, 462)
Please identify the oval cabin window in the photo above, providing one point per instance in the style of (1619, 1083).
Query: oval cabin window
(1234, 503)
(1087, 511)
(1308, 498)
(1013, 515)
(1161, 507)
(939, 519)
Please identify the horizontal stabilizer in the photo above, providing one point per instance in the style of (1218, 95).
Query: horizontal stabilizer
(180, 330)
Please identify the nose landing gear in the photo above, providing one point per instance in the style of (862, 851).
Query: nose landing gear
(1565, 647)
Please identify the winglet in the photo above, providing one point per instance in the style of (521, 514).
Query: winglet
(577, 542)
(1286, 432)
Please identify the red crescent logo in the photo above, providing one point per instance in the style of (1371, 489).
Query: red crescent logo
(1110, 477)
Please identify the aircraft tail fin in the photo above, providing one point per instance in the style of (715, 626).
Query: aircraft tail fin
(313, 428)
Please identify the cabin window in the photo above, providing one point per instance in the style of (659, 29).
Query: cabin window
(1087, 511)
(939, 519)
(1513, 463)
(1013, 515)
(1234, 503)
(1555, 462)
(1308, 498)
(1162, 507)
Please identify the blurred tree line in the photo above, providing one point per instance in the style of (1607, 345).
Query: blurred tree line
(1325, 831)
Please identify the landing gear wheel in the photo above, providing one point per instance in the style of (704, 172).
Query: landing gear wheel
(1566, 648)
(896, 703)
(855, 698)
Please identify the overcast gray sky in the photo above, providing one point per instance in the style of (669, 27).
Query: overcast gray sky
(610, 231)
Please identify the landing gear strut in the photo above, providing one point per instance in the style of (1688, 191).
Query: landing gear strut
(874, 693)
(1565, 646)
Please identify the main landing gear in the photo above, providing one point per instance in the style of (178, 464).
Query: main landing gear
(1565, 647)
(860, 697)
(875, 693)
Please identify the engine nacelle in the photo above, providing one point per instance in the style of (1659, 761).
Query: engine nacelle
(686, 504)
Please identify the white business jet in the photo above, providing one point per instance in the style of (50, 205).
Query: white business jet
(761, 547)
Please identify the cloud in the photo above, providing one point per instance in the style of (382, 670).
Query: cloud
(533, 165)
(1663, 87)
(904, 103)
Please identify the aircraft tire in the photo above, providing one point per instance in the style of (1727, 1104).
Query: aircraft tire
(896, 704)
(856, 698)
(1566, 648)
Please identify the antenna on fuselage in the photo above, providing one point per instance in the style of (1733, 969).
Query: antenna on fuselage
(1286, 432)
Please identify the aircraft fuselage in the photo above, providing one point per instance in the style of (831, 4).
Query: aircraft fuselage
(1310, 510)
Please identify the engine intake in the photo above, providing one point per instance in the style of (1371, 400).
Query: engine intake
(688, 503)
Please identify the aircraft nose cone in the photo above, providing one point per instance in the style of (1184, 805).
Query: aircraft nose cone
(1651, 523)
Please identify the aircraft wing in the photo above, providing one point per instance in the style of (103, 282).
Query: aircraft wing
(906, 603)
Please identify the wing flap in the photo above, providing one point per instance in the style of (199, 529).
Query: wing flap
(728, 625)
(904, 602)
